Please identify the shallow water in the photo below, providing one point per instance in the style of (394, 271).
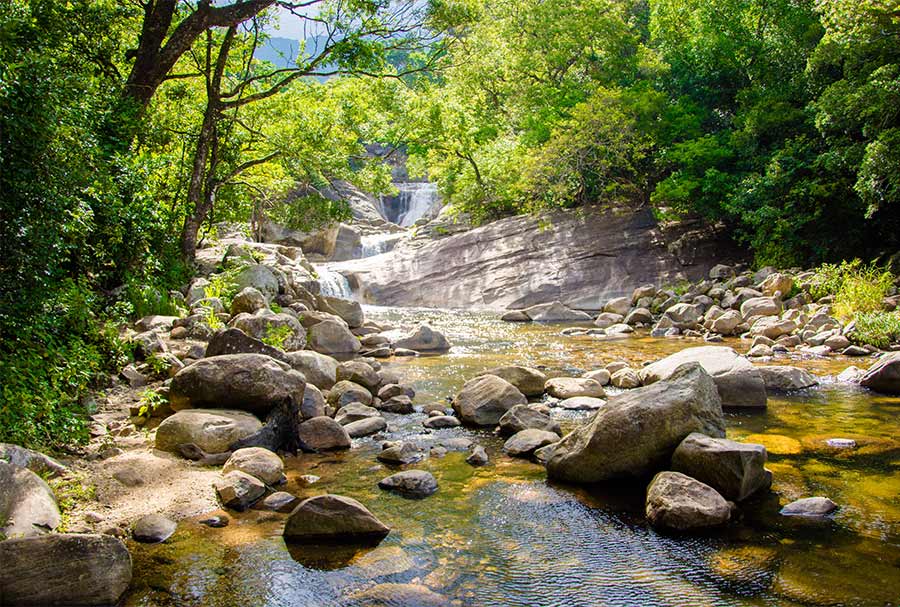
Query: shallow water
(503, 535)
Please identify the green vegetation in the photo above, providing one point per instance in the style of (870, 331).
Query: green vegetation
(150, 401)
(879, 329)
(276, 336)
(856, 288)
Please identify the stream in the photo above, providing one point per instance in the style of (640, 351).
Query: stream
(502, 535)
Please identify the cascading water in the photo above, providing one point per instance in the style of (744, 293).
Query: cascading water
(376, 244)
(334, 284)
(415, 200)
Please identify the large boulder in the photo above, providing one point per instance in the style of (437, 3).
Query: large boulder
(635, 433)
(35, 461)
(63, 569)
(736, 470)
(555, 312)
(684, 315)
(884, 375)
(333, 518)
(249, 382)
(359, 373)
(260, 278)
(529, 382)
(680, 503)
(350, 311)
(248, 301)
(739, 383)
(27, 504)
(413, 484)
(484, 400)
(258, 462)
(332, 337)
(573, 387)
(282, 328)
(235, 341)
(760, 306)
(313, 404)
(423, 339)
(346, 392)
(319, 369)
(323, 434)
(777, 283)
(783, 378)
(213, 430)
(523, 417)
(526, 442)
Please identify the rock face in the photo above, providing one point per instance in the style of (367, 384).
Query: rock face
(681, 503)
(884, 375)
(258, 462)
(635, 433)
(785, 378)
(333, 518)
(513, 263)
(484, 400)
(739, 383)
(423, 339)
(414, 484)
(331, 337)
(736, 470)
(27, 504)
(63, 569)
(249, 382)
(522, 417)
(528, 381)
(213, 430)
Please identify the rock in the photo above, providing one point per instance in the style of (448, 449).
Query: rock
(528, 381)
(772, 327)
(837, 342)
(841, 443)
(851, 375)
(135, 378)
(213, 430)
(478, 456)
(258, 462)
(27, 504)
(442, 421)
(626, 379)
(280, 501)
(64, 569)
(423, 339)
(153, 528)
(884, 375)
(855, 351)
(810, 507)
(571, 387)
(323, 434)
(40, 464)
(400, 454)
(346, 392)
(318, 369)
(786, 379)
(522, 417)
(736, 470)
(332, 337)
(619, 305)
(397, 404)
(619, 329)
(681, 503)
(148, 343)
(635, 433)
(727, 323)
(354, 412)
(414, 484)
(260, 278)
(216, 522)
(313, 404)
(581, 403)
(526, 442)
(365, 427)
(608, 319)
(400, 595)
(238, 490)
(333, 518)
(515, 316)
(391, 390)
(739, 383)
(249, 382)
(555, 312)
(484, 400)
(760, 351)
(264, 325)
(349, 311)
(374, 340)
(777, 283)
(155, 321)
(760, 306)
(684, 315)
(359, 373)
(637, 316)
(248, 301)
(601, 376)
(721, 272)
(235, 341)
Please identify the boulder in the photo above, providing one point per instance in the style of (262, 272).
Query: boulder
(484, 400)
(333, 518)
(258, 462)
(391, 390)
(739, 383)
(721, 272)
(260, 278)
(528, 381)
(783, 378)
(680, 503)
(353, 412)
(736, 470)
(777, 283)
(608, 319)
(248, 301)
(884, 375)
(365, 427)
(773, 327)
(267, 325)
(153, 528)
(401, 404)
(332, 337)
(601, 376)
(249, 382)
(618, 305)
(635, 433)
(478, 456)
(625, 379)
(400, 454)
(684, 315)
(27, 504)
(810, 507)
(515, 316)
(350, 311)
(526, 442)
(572, 387)
(727, 323)
(423, 339)
(523, 417)
(443, 421)
(581, 403)
(35, 461)
(323, 434)
(414, 484)
(238, 490)
(155, 321)
(637, 316)
(760, 306)
(280, 501)
(64, 569)
(235, 341)
(346, 392)
(318, 369)
(400, 595)
(213, 430)
(555, 312)
(359, 373)
(313, 404)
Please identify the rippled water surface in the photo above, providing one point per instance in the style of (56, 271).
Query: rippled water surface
(502, 535)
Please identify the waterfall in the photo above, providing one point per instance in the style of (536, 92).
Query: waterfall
(376, 244)
(416, 199)
(334, 284)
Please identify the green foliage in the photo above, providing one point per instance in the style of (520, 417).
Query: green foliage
(277, 335)
(150, 401)
(71, 490)
(222, 285)
(879, 329)
(857, 288)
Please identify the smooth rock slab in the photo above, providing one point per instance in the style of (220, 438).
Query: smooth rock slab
(680, 503)
(64, 569)
(736, 470)
(153, 528)
(414, 484)
(810, 507)
(333, 519)
(526, 442)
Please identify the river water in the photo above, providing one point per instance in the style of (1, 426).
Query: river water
(502, 535)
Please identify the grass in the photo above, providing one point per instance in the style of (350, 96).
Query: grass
(70, 490)
(879, 329)
(856, 287)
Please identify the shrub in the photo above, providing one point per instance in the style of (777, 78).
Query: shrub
(276, 336)
(879, 329)
(856, 288)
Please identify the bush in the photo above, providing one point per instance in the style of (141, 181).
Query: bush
(856, 288)
(879, 329)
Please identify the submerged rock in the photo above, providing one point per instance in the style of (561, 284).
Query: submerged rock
(400, 595)
(333, 518)
(637, 431)
(528, 381)
(526, 442)
(736, 470)
(810, 507)
(680, 503)
(415, 484)
(484, 400)
(478, 456)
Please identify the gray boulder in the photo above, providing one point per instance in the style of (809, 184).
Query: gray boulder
(153, 528)
(235, 341)
(401, 454)
(635, 433)
(760, 306)
(323, 434)
(213, 430)
(423, 339)
(359, 373)
(526, 442)
(784, 378)
(484, 400)
(332, 337)
(581, 403)
(354, 412)
(680, 503)
(884, 375)
(739, 383)
(365, 427)
(736, 470)
(349, 311)
(248, 301)
(313, 404)
(238, 490)
(413, 484)
(555, 312)
(35, 461)
(572, 387)
(266, 325)
(27, 504)
(346, 392)
(318, 369)
(441, 421)
(333, 518)
(260, 278)
(528, 381)
(258, 462)
(523, 417)
(810, 507)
